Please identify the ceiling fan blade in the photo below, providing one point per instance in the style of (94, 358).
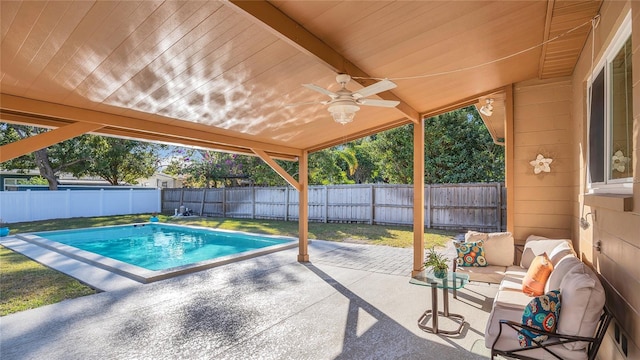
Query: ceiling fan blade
(373, 89)
(381, 103)
(308, 103)
(320, 90)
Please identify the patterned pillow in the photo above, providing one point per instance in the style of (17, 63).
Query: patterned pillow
(541, 313)
(470, 253)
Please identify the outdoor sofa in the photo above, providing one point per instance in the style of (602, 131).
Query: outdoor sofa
(581, 319)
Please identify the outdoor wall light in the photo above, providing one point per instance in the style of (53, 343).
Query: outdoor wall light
(487, 109)
(541, 164)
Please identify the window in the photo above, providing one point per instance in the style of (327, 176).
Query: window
(611, 116)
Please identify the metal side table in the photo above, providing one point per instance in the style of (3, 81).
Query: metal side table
(453, 280)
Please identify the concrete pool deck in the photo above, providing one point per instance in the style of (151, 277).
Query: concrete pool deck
(350, 302)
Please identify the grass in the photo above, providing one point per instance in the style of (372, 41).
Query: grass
(25, 284)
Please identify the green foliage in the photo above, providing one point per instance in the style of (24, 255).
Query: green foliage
(393, 150)
(459, 149)
(435, 260)
(120, 160)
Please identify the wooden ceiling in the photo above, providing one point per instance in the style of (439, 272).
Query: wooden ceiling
(219, 74)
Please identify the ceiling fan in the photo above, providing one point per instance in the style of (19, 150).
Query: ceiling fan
(344, 103)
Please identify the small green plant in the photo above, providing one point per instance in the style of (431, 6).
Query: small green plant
(438, 263)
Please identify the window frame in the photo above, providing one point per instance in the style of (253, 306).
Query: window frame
(608, 185)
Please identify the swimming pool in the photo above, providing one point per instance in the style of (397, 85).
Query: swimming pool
(154, 251)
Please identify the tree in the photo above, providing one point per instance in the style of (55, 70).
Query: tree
(115, 160)
(120, 160)
(68, 156)
(393, 151)
(459, 149)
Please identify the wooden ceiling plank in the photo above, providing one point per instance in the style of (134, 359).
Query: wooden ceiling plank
(287, 29)
(277, 168)
(40, 141)
(29, 106)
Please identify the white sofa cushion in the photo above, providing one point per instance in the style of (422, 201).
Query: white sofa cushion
(582, 298)
(559, 271)
(498, 249)
(537, 245)
(489, 274)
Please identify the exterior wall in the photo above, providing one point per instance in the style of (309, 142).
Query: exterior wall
(550, 117)
(544, 203)
(617, 230)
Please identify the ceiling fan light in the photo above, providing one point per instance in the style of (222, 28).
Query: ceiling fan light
(343, 113)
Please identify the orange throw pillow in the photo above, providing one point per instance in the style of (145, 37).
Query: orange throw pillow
(537, 275)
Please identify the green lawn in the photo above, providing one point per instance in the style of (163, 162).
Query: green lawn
(26, 284)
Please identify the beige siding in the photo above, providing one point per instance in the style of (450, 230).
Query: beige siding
(542, 125)
(618, 231)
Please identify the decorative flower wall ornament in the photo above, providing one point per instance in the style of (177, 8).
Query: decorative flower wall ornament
(541, 164)
(619, 161)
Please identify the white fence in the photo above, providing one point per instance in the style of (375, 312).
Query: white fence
(20, 206)
(478, 206)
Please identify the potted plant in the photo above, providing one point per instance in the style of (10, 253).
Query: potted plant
(4, 230)
(438, 263)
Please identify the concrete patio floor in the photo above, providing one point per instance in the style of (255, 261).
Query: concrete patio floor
(350, 302)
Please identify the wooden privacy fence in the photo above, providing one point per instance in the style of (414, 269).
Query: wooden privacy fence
(478, 206)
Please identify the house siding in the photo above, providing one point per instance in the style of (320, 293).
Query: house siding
(617, 231)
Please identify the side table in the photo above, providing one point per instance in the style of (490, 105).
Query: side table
(453, 280)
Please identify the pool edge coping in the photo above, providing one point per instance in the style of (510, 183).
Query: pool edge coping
(146, 276)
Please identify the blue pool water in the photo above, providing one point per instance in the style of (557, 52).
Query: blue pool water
(161, 246)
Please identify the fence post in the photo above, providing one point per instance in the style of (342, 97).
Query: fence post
(101, 202)
(326, 204)
(181, 196)
(372, 204)
(253, 202)
(428, 206)
(499, 207)
(286, 204)
(204, 196)
(159, 204)
(224, 202)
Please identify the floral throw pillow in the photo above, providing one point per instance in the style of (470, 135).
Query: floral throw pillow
(470, 253)
(541, 313)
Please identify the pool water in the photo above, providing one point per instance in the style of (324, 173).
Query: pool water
(156, 246)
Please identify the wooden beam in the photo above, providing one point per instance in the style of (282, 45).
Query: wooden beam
(418, 197)
(303, 209)
(295, 34)
(40, 141)
(282, 172)
(24, 106)
(137, 135)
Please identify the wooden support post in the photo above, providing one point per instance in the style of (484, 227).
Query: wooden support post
(509, 160)
(303, 208)
(418, 197)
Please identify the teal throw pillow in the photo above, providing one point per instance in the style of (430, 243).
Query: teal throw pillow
(470, 253)
(542, 313)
